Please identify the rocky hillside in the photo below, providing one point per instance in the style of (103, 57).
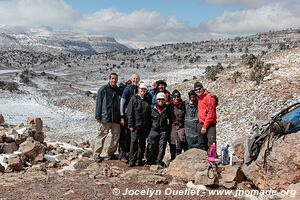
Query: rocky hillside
(55, 42)
(59, 87)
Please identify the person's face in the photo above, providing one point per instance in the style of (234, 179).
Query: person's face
(113, 80)
(176, 99)
(135, 79)
(193, 98)
(142, 91)
(199, 91)
(160, 102)
(161, 87)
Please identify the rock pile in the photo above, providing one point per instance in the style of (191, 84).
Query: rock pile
(282, 164)
(24, 145)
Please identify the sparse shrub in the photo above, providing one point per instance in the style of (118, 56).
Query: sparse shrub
(236, 75)
(259, 71)
(249, 59)
(212, 71)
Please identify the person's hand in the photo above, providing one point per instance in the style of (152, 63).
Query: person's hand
(132, 129)
(203, 130)
(122, 122)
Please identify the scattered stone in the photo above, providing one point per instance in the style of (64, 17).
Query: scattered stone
(231, 176)
(191, 185)
(65, 162)
(39, 136)
(2, 169)
(51, 158)
(2, 120)
(32, 149)
(9, 148)
(20, 138)
(2, 137)
(12, 132)
(15, 162)
(155, 167)
(87, 153)
(9, 138)
(36, 123)
(152, 179)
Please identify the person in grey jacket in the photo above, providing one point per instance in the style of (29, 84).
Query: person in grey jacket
(108, 116)
(191, 120)
(139, 123)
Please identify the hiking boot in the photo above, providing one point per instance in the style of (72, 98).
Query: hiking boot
(112, 157)
(97, 158)
(131, 164)
(139, 163)
(124, 160)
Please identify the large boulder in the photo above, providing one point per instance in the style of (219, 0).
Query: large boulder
(192, 165)
(32, 149)
(283, 164)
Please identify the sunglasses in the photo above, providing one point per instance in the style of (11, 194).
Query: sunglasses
(198, 89)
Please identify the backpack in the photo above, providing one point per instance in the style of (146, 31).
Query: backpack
(214, 96)
(287, 121)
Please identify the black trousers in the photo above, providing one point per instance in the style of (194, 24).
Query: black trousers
(138, 144)
(156, 147)
(176, 149)
(124, 142)
(205, 140)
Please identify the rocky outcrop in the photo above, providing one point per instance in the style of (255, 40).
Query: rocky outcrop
(192, 165)
(283, 164)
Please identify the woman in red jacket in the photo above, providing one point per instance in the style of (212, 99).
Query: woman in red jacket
(207, 116)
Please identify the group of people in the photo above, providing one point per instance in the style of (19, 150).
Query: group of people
(136, 115)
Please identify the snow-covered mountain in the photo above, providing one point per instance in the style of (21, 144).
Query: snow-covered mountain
(45, 39)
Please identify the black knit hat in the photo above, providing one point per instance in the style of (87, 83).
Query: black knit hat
(198, 85)
(161, 82)
(192, 92)
(176, 93)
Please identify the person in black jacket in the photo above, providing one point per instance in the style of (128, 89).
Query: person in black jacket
(157, 139)
(177, 136)
(130, 90)
(139, 123)
(191, 120)
(108, 116)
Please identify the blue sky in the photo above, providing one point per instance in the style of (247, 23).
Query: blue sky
(144, 23)
(193, 12)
